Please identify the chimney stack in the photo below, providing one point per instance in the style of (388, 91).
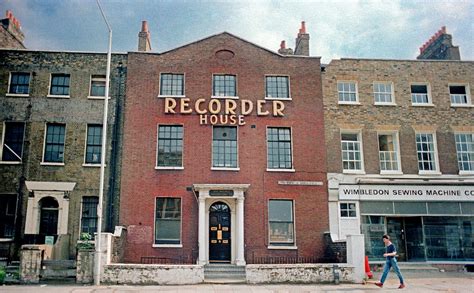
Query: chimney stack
(302, 41)
(13, 36)
(283, 50)
(439, 47)
(144, 44)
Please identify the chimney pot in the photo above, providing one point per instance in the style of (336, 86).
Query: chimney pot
(443, 28)
(282, 45)
(303, 28)
(144, 26)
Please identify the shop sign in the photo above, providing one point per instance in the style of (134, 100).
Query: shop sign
(225, 111)
(407, 192)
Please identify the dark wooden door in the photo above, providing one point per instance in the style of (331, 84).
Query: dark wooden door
(219, 233)
(49, 216)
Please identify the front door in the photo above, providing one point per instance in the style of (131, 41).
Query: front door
(49, 216)
(396, 231)
(219, 232)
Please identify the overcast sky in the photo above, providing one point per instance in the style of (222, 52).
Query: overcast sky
(389, 29)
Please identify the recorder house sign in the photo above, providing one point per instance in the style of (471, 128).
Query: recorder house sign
(407, 192)
(226, 111)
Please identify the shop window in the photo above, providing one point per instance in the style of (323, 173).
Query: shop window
(277, 87)
(59, 85)
(373, 228)
(19, 83)
(224, 147)
(465, 151)
(383, 93)
(347, 210)
(94, 144)
(281, 222)
(426, 152)
(224, 85)
(347, 92)
(351, 147)
(420, 94)
(12, 149)
(7, 215)
(54, 143)
(279, 148)
(97, 88)
(168, 220)
(459, 95)
(170, 146)
(388, 153)
(89, 215)
(171, 84)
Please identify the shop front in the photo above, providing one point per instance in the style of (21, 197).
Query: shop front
(426, 221)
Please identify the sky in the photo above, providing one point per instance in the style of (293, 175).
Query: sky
(388, 29)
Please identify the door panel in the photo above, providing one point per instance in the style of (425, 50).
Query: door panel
(219, 233)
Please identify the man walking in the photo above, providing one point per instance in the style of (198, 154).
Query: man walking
(391, 261)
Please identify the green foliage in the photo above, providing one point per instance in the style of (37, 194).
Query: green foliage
(85, 241)
(2, 275)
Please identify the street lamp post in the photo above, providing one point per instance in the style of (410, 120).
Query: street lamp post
(98, 239)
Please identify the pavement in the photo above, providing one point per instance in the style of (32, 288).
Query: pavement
(418, 282)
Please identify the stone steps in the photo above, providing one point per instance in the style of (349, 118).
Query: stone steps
(12, 273)
(58, 271)
(224, 273)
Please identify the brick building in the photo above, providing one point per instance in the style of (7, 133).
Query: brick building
(224, 154)
(11, 36)
(51, 109)
(399, 137)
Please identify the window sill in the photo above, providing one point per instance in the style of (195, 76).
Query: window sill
(282, 247)
(281, 170)
(10, 163)
(92, 165)
(423, 105)
(348, 218)
(17, 95)
(349, 103)
(96, 97)
(225, 97)
(391, 173)
(58, 96)
(429, 173)
(278, 99)
(167, 245)
(6, 239)
(462, 106)
(51, 164)
(360, 172)
(466, 172)
(385, 104)
(171, 96)
(224, 169)
(168, 168)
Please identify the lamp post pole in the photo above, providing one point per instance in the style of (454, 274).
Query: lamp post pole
(98, 248)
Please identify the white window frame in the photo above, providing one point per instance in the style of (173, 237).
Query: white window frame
(282, 247)
(359, 139)
(276, 98)
(90, 86)
(392, 93)
(43, 163)
(435, 154)
(226, 97)
(84, 164)
(355, 210)
(356, 102)
(50, 85)
(9, 84)
(212, 153)
(396, 143)
(292, 169)
(3, 141)
(428, 93)
(462, 172)
(468, 95)
(180, 245)
(172, 96)
(157, 141)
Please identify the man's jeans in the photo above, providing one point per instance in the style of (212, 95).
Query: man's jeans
(389, 264)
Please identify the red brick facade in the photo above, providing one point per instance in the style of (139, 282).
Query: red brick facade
(144, 110)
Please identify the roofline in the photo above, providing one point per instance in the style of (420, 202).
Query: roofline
(57, 51)
(404, 60)
(222, 33)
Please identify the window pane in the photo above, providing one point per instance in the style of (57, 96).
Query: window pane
(425, 152)
(224, 147)
(94, 144)
(168, 220)
(280, 216)
(59, 84)
(54, 146)
(172, 84)
(89, 214)
(347, 91)
(13, 141)
(170, 142)
(98, 86)
(7, 215)
(351, 151)
(279, 148)
(465, 151)
(19, 83)
(277, 86)
(224, 85)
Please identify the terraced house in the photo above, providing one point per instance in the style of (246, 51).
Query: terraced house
(51, 106)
